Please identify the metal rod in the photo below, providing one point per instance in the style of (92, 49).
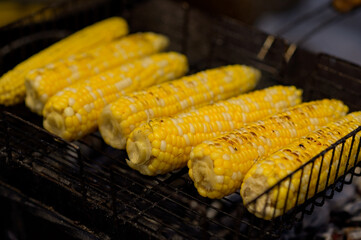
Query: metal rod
(319, 174)
(329, 21)
(348, 160)
(309, 181)
(7, 144)
(330, 168)
(299, 187)
(339, 160)
(301, 19)
(288, 191)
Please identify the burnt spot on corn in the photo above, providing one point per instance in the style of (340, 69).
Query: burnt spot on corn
(253, 134)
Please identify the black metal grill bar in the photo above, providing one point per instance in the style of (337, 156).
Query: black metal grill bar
(357, 155)
(309, 179)
(7, 143)
(168, 197)
(142, 213)
(334, 84)
(277, 199)
(48, 147)
(209, 206)
(311, 161)
(319, 174)
(164, 197)
(41, 162)
(59, 175)
(9, 117)
(288, 191)
(181, 232)
(156, 190)
(342, 75)
(152, 205)
(33, 149)
(299, 186)
(348, 160)
(339, 163)
(47, 212)
(311, 201)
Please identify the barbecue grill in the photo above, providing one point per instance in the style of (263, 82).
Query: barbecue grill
(87, 190)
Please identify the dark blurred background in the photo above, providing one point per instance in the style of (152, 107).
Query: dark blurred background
(341, 36)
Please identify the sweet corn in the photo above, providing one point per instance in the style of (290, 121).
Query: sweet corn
(42, 83)
(188, 129)
(123, 116)
(270, 170)
(12, 87)
(218, 166)
(73, 112)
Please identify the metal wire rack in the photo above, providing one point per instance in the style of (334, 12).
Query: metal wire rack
(90, 183)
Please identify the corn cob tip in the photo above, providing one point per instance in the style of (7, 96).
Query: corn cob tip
(138, 148)
(109, 129)
(31, 96)
(203, 176)
(249, 194)
(54, 123)
(252, 188)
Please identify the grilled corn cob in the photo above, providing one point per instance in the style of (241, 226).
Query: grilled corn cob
(42, 83)
(73, 112)
(12, 87)
(268, 171)
(123, 116)
(151, 155)
(218, 166)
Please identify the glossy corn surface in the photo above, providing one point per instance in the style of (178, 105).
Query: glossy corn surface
(120, 118)
(12, 83)
(218, 166)
(73, 112)
(162, 145)
(42, 83)
(314, 177)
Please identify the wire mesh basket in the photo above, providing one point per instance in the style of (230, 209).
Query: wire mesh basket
(90, 183)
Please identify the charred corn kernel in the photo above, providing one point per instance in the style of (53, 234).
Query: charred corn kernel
(270, 170)
(211, 120)
(241, 148)
(345, 5)
(12, 87)
(123, 116)
(73, 112)
(42, 83)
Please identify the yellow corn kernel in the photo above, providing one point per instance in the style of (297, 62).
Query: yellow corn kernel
(244, 146)
(290, 158)
(42, 83)
(84, 100)
(121, 117)
(12, 87)
(218, 118)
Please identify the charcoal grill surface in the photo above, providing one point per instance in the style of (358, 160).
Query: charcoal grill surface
(90, 183)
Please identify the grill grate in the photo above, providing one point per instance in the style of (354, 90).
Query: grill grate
(90, 182)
